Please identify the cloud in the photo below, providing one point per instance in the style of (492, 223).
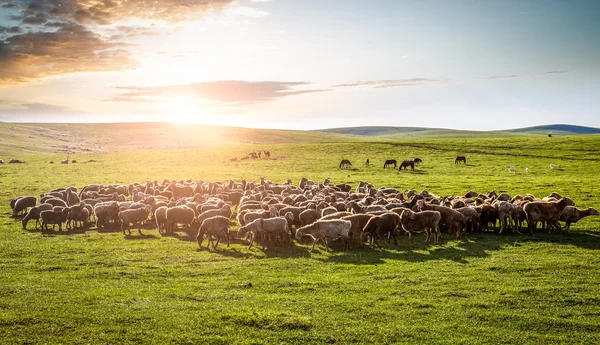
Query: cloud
(72, 48)
(223, 91)
(67, 36)
(34, 110)
(526, 75)
(380, 84)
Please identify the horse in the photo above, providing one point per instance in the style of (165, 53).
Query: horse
(407, 164)
(345, 164)
(417, 160)
(460, 159)
(389, 162)
(367, 162)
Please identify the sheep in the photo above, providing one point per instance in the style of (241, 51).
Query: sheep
(276, 227)
(572, 215)
(552, 166)
(450, 217)
(527, 170)
(72, 197)
(216, 226)
(224, 211)
(83, 217)
(424, 221)
(324, 229)
(34, 213)
(136, 215)
(471, 218)
(543, 211)
(21, 205)
(358, 223)
(309, 216)
(181, 214)
(504, 212)
(384, 224)
(160, 216)
(54, 216)
(55, 202)
(105, 212)
(512, 170)
(74, 212)
(337, 215)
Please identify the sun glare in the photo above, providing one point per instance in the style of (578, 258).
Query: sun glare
(183, 110)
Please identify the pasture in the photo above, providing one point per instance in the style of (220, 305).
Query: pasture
(101, 288)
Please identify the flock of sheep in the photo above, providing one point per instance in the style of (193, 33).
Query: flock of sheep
(273, 214)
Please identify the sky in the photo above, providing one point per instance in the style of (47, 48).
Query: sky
(302, 64)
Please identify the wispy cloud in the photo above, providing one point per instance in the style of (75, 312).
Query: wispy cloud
(380, 84)
(222, 91)
(537, 74)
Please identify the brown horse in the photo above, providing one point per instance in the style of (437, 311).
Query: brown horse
(460, 159)
(407, 164)
(345, 164)
(389, 162)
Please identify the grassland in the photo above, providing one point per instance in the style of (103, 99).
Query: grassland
(101, 288)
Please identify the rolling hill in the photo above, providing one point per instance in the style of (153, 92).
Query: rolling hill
(384, 132)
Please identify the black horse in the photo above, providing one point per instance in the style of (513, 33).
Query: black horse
(406, 164)
(460, 159)
(417, 160)
(345, 164)
(389, 162)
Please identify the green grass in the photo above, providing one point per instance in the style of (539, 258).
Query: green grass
(101, 288)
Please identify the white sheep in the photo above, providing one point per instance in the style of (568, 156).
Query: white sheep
(527, 170)
(552, 166)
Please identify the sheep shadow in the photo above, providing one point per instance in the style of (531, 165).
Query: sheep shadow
(459, 250)
(135, 236)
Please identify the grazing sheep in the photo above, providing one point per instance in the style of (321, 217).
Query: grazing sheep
(542, 211)
(64, 161)
(512, 170)
(527, 170)
(336, 215)
(218, 227)
(471, 218)
(135, 215)
(22, 204)
(381, 225)
(34, 213)
(54, 216)
(74, 212)
(276, 228)
(324, 229)
(181, 214)
(424, 221)
(552, 166)
(83, 217)
(572, 215)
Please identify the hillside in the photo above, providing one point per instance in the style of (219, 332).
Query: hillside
(384, 132)
(116, 137)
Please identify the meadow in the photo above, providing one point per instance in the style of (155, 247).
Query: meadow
(98, 287)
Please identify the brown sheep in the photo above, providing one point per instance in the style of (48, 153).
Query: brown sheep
(217, 226)
(34, 213)
(572, 215)
(54, 216)
(22, 204)
(324, 229)
(181, 214)
(309, 216)
(358, 223)
(381, 225)
(276, 228)
(136, 215)
(450, 218)
(424, 221)
(541, 211)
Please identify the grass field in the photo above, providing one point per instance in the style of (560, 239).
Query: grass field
(101, 288)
